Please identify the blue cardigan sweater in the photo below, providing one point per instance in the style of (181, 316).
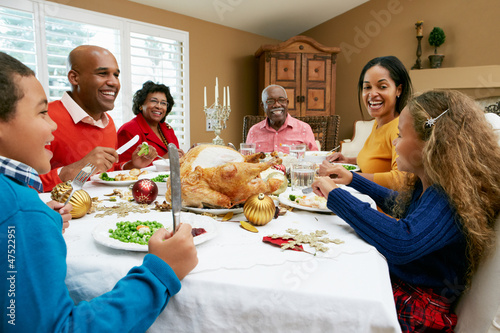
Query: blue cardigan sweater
(425, 248)
(34, 295)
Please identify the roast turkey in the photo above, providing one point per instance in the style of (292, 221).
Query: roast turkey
(220, 177)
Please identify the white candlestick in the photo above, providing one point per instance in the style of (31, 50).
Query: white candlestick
(205, 96)
(224, 96)
(216, 90)
(228, 99)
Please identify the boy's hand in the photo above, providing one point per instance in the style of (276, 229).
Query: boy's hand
(178, 251)
(64, 210)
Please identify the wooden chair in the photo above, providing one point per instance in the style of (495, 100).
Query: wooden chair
(325, 128)
(494, 108)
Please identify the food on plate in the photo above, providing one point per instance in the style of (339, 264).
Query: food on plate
(135, 232)
(133, 174)
(218, 176)
(349, 167)
(160, 178)
(198, 231)
(312, 201)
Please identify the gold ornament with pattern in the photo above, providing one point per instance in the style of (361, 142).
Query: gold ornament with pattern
(259, 209)
(80, 200)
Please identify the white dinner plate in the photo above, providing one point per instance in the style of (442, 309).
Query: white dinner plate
(214, 211)
(284, 199)
(97, 178)
(101, 232)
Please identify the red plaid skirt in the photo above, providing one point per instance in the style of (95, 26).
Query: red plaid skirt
(422, 310)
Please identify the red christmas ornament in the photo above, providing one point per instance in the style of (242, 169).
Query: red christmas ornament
(145, 191)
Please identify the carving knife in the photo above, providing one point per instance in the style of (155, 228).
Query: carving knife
(127, 146)
(175, 184)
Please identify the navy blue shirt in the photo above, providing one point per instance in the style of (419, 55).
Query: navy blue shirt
(425, 248)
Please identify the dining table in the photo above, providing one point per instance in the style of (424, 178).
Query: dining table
(241, 283)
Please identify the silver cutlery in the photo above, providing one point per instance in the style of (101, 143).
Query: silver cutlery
(80, 179)
(175, 185)
(127, 146)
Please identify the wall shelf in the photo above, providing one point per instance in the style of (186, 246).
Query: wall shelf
(477, 81)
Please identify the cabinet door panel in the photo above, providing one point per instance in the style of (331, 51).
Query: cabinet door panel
(286, 72)
(317, 84)
(316, 70)
(316, 99)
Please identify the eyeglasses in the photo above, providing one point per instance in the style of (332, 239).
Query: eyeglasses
(272, 101)
(156, 102)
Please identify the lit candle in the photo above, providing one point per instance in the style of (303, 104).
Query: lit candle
(228, 98)
(205, 96)
(224, 96)
(420, 28)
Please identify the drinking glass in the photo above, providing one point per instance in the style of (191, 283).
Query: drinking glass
(298, 151)
(247, 148)
(302, 175)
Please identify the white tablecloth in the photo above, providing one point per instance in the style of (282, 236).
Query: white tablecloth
(244, 285)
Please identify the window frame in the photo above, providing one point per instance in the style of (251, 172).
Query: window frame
(41, 8)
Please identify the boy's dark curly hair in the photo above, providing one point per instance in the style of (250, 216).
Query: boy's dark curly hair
(10, 70)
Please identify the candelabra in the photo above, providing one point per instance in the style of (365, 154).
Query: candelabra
(218, 115)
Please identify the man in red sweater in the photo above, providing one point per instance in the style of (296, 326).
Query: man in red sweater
(85, 133)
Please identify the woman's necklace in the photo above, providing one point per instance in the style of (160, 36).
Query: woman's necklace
(162, 137)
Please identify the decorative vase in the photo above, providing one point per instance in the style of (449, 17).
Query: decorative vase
(436, 60)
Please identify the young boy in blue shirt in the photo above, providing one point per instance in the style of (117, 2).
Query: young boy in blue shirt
(33, 260)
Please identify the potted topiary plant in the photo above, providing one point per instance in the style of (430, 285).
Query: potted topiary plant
(436, 39)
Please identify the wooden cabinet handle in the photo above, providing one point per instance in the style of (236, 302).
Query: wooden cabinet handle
(301, 99)
(285, 69)
(316, 70)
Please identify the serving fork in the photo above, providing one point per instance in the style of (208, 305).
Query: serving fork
(80, 179)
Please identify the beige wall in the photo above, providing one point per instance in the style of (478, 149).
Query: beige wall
(214, 51)
(387, 27)
(376, 28)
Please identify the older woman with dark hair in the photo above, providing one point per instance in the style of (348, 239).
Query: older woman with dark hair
(152, 103)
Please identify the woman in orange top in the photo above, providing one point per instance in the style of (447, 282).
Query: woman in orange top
(384, 86)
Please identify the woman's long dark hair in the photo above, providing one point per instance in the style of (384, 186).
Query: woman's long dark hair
(398, 74)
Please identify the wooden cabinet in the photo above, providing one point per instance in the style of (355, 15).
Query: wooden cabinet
(307, 71)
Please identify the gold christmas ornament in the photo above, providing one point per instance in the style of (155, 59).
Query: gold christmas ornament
(259, 209)
(80, 200)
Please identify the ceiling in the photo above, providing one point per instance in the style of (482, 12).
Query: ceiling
(278, 19)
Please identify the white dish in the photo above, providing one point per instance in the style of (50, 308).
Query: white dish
(316, 156)
(162, 165)
(284, 199)
(97, 178)
(101, 232)
(162, 186)
(214, 211)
